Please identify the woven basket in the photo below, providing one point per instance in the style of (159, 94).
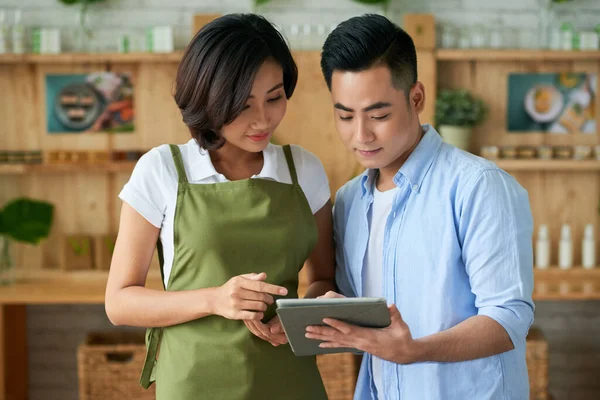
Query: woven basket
(537, 364)
(109, 367)
(339, 373)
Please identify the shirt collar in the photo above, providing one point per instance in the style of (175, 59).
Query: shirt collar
(201, 166)
(416, 166)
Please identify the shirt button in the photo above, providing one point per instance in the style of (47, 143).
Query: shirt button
(415, 188)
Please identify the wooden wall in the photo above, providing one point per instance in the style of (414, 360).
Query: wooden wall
(87, 202)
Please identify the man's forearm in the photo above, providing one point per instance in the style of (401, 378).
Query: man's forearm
(476, 337)
(319, 288)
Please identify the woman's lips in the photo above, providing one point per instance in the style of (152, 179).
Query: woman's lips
(260, 137)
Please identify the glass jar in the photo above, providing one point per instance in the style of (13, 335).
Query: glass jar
(495, 36)
(449, 36)
(479, 38)
(464, 38)
(7, 264)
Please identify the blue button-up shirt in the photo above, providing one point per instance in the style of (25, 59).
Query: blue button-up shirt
(457, 243)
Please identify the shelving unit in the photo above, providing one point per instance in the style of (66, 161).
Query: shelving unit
(87, 287)
(549, 165)
(85, 195)
(60, 287)
(572, 284)
(515, 55)
(123, 167)
(78, 58)
(25, 169)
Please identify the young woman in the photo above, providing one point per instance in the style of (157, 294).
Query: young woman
(235, 219)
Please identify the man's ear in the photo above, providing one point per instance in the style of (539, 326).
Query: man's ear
(417, 97)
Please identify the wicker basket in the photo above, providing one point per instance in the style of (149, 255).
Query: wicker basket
(339, 373)
(109, 366)
(537, 364)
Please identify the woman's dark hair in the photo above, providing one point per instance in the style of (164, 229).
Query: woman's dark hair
(217, 70)
(370, 40)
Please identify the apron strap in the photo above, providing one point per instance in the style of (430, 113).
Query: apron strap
(153, 337)
(290, 162)
(178, 163)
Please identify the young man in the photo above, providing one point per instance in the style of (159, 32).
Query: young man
(443, 235)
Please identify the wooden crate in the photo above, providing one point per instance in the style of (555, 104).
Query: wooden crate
(537, 364)
(421, 27)
(104, 246)
(77, 252)
(109, 366)
(339, 373)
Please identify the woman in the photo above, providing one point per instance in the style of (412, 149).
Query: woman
(235, 219)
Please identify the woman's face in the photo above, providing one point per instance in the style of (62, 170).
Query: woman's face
(265, 108)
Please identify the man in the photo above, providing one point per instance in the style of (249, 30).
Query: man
(443, 235)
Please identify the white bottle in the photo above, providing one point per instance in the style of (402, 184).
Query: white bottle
(3, 32)
(565, 248)
(18, 34)
(588, 248)
(542, 248)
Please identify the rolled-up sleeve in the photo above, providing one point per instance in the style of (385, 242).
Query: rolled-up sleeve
(495, 228)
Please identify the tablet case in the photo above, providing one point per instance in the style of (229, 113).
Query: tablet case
(296, 315)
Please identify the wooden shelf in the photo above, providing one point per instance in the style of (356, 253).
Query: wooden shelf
(87, 287)
(549, 165)
(78, 58)
(441, 55)
(60, 287)
(23, 169)
(572, 284)
(515, 55)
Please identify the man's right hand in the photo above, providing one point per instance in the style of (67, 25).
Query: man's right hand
(331, 295)
(245, 297)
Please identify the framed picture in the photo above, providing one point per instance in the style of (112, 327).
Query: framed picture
(559, 103)
(88, 103)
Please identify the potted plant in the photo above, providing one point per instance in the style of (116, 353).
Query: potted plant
(83, 33)
(456, 112)
(23, 220)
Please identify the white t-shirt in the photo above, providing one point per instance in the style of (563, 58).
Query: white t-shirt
(373, 268)
(152, 187)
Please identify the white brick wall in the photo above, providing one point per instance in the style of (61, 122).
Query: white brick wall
(116, 17)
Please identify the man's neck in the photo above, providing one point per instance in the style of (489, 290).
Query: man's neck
(385, 177)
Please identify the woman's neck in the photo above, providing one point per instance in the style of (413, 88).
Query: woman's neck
(236, 163)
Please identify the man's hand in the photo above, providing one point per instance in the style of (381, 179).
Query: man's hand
(331, 295)
(271, 332)
(394, 343)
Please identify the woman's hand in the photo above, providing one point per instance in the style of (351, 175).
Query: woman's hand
(245, 297)
(271, 332)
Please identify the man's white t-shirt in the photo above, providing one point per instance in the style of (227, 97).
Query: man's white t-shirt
(152, 187)
(373, 268)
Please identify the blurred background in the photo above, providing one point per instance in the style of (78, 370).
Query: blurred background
(85, 90)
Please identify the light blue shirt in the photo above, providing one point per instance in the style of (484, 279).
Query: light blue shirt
(458, 243)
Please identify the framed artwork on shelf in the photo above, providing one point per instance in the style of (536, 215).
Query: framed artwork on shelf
(89, 103)
(557, 103)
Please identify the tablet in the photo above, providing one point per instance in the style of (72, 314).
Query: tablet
(297, 314)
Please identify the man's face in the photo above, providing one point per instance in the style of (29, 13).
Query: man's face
(374, 119)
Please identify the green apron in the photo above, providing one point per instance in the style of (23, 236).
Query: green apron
(222, 230)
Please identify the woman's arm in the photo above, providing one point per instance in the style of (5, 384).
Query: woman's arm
(128, 302)
(320, 266)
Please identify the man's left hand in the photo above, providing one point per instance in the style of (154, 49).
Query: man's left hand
(393, 343)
